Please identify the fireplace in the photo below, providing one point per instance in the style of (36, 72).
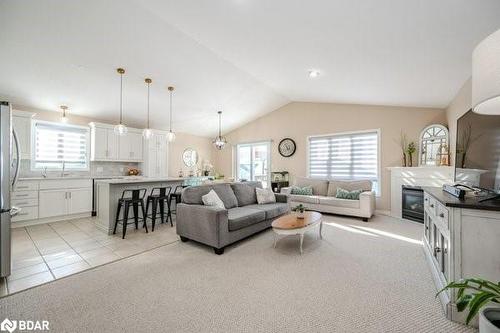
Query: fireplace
(413, 203)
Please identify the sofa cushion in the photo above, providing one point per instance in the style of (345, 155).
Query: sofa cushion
(212, 199)
(245, 192)
(272, 210)
(302, 190)
(241, 217)
(344, 203)
(319, 186)
(350, 195)
(349, 185)
(192, 195)
(265, 196)
(314, 199)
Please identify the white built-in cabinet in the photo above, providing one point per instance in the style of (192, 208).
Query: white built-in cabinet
(156, 155)
(21, 122)
(47, 200)
(106, 145)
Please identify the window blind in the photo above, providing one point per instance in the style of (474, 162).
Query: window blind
(55, 144)
(344, 156)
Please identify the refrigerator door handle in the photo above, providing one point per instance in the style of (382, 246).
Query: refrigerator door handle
(18, 158)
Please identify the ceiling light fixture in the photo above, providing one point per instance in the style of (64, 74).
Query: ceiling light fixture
(64, 118)
(486, 75)
(147, 133)
(121, 129)
(313, 73)
(220, 141)
(171, 135)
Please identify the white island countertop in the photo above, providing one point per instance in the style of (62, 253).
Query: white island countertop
(138, 180)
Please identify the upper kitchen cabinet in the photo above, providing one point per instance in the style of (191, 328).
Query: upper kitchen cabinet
(21, 122)
(106, 145)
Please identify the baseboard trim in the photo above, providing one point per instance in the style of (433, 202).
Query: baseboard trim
(383, 212)
(28, 223)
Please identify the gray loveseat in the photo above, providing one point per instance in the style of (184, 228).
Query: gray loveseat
(220, 227)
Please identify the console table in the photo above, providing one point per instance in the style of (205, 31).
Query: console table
(461, 240)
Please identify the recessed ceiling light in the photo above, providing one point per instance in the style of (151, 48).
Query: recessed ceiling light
(313, 73)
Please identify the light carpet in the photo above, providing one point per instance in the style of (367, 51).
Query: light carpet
(362, 277)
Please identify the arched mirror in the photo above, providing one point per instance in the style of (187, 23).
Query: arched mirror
(190, 157)
(434, 146)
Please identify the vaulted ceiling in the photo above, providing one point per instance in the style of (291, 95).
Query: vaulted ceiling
(246, 57)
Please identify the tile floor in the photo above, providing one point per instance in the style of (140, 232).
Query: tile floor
(46, 252)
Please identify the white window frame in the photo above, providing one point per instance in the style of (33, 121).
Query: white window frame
(33, 145)
(377, 130)
(253, 143)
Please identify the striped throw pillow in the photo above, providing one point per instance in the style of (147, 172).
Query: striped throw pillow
(307, 190)
(349, 195)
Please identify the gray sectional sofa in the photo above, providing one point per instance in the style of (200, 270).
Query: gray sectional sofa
(220, 227)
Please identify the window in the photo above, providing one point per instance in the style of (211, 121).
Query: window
(56, 144)
(345, 156)
(252, 162)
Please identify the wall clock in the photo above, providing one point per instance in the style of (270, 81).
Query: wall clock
(287, 147)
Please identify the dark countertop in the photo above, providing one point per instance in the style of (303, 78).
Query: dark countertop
(468, 202)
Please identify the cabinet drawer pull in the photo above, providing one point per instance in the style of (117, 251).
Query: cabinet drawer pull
(23, 203)
(432, 205)
(426, 199)
(437, 250)
(17, 187)
(441, 215)
(22, 214)
(21, 195)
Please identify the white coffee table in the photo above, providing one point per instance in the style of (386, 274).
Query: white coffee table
(290, 224)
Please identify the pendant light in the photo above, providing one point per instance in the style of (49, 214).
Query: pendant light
(171, 135)
(147, 133)
(64, 118)
(220, 141)
(121, 129)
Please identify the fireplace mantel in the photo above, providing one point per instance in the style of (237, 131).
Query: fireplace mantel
(416, 176)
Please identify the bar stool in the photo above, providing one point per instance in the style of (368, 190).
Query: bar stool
(134, 198)
(158, 196)
(176, 195)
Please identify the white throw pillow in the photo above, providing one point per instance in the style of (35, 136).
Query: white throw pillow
(212, 199)
(265, 195)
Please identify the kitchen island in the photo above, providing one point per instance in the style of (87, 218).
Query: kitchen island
(109, 191)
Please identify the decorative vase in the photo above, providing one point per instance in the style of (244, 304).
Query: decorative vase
(300, 214)
(206, 173)
(410, 162)
(489, 320)
(404, 160)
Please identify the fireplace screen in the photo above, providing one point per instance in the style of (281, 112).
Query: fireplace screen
(413, 203)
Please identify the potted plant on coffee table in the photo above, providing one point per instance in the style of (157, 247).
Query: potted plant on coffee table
(473, 294)
(299, 211)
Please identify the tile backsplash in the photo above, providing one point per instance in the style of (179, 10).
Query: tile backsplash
(96, 169)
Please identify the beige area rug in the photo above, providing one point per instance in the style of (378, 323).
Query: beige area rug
(362, 277)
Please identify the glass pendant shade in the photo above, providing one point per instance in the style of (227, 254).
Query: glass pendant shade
(121, 129)
(147, 133)
(64, 119)
(220, 141)
(170, 136)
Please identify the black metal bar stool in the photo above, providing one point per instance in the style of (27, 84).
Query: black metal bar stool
(134, 198)
(176, 195)
(158, 197)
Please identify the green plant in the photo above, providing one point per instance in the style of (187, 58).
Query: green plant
(482, 292)
(410, 150)
(299, 208)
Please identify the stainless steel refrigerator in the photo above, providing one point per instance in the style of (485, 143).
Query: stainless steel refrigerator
(9, 171)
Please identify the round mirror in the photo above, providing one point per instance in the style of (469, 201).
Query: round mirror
(434, 146)
(190, 157)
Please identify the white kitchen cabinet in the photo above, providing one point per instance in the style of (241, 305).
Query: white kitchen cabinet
(156, 156)
(130, 146)
(108, 146)
(21, 122)
(52, 203)
(79, 201)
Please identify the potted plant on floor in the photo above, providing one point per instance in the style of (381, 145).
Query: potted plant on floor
(299, 211)
(481, 293)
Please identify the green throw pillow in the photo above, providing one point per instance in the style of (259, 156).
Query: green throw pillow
(302, 190)
(350, 195)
